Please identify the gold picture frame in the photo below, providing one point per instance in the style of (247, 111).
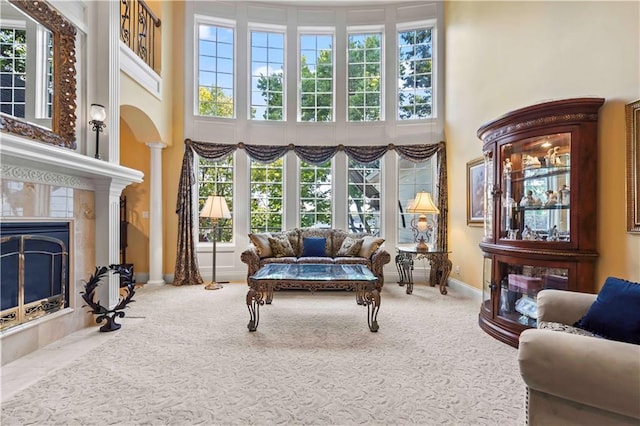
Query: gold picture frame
(475, 192)
(633, 166)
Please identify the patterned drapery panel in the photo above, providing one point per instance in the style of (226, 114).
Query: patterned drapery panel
(186, 271)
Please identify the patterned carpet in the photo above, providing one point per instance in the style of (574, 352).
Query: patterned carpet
(184, 356)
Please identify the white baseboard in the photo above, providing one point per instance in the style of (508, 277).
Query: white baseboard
(465, 289)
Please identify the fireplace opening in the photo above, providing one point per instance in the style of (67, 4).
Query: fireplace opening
(34, 273)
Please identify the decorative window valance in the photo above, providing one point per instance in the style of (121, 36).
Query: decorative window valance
(315, 155)
(187, 272)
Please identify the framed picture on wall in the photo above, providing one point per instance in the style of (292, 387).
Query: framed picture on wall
(475, 192)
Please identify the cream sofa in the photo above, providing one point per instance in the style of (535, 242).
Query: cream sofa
(371, 255)
(575, 379)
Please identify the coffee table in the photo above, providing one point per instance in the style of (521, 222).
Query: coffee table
(278, 276)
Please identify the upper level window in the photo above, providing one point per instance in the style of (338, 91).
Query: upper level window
(13, 69)
(267, 75)
(215, 70)
(215, 178)
(364, 197)
(316, 77)
(267, 200)
(365, 76)
(315, 195)
(415, 65)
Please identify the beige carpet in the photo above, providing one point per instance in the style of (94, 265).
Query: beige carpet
(184, 356)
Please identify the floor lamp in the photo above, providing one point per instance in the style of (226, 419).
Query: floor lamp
(215, 208)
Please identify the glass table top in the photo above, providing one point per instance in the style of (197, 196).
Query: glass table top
(314, 272)
(411, 248)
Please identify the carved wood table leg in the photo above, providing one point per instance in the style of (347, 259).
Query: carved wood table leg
(404, 263)
(254, 300)
(372, 300)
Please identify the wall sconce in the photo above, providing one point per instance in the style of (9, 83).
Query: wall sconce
(423, 205)
(97, 114)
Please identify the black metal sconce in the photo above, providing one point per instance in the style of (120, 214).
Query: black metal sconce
(97, 114)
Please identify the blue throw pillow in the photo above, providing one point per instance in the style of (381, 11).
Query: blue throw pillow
(615, 314)
(313, 246)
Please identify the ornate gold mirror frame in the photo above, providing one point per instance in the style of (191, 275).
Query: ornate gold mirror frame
(633, 166)
(63, 131)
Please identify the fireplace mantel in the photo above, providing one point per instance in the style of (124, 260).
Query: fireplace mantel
(24, 153)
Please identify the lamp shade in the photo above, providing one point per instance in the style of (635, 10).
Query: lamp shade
(423, 204)
(215, 208)
(97, 112)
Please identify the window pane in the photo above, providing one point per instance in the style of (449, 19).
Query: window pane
(414, 70)
(316, 76)
(365, 76)
(13, 76)
(315, 195)
(266, 196)
(215, 178)
(216, 73)
(267, 64)
(413, 178)
(364, 197)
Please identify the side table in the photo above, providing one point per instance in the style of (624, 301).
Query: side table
(438, 260)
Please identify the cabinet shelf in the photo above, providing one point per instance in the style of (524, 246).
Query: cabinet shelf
(562, 253)
(539, 208)
(539, 173)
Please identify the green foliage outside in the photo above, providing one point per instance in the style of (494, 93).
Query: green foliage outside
(216, 178)
(415, 72)
(266, 196)
(364, 79)
(315, 194)
(213, 102)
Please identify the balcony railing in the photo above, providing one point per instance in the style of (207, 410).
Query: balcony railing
(138, 31)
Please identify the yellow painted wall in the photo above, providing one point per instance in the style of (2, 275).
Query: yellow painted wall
(135, 155)
(172, 155)
(502, 56)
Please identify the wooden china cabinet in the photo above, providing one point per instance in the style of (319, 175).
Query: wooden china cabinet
(540, 219)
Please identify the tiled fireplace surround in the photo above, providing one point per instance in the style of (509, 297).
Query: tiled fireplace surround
(42, 182)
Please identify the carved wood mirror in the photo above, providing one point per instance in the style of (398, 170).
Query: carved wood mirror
(38, 71)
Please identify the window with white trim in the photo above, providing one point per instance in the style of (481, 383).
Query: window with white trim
(316, 77)
(267, 197)
(412, 178)
(267, 75)
(315, 195)
(13, 70)
(364, 81)
(215, 178)
(364, 197)
(415, 73)
(215, 70)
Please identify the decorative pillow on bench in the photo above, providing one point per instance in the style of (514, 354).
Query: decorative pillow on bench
(262, 244)
(350, 247)
(280, 246)
(615, 314)
(314, 247)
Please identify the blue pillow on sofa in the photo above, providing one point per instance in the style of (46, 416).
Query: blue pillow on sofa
(615, 314)
(313, 247)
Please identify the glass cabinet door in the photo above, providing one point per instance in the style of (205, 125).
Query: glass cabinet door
(488, 196)
(519, 287)
(535, 180)
(487, 273)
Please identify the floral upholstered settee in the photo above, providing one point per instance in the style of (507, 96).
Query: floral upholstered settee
(316, 245)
